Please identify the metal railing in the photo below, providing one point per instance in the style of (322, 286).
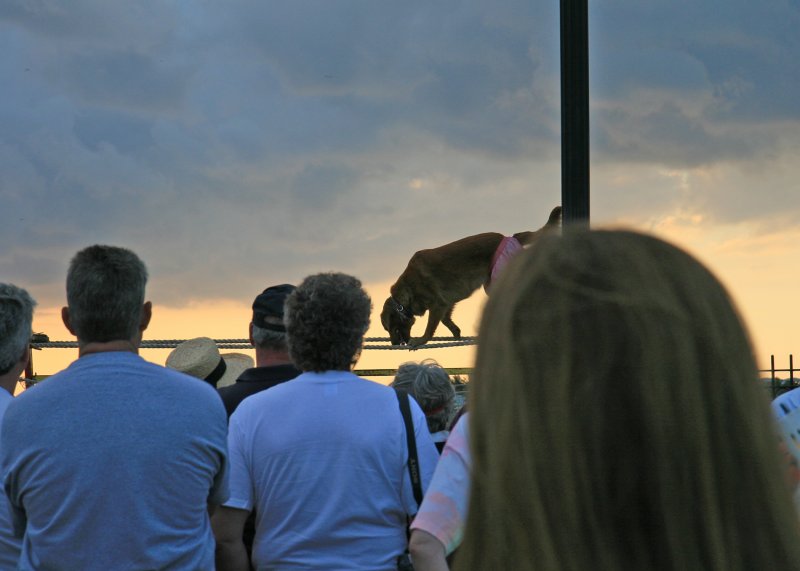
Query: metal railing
(779, 386)
(774, 383)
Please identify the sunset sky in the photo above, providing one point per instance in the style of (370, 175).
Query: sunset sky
(236, 145)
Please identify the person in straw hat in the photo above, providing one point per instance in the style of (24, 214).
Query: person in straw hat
(200, 357)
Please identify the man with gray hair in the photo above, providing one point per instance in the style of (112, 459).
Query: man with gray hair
(113, 462)
(268, 337)
(273, 364)
(16, 318)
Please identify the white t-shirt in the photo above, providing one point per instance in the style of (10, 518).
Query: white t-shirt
(323, 461)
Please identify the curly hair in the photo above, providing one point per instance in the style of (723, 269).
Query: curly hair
(430, 386)
(326, 318)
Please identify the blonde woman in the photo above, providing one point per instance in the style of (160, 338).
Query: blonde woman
(616, 421)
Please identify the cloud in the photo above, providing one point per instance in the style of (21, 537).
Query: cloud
(411, 65)
(690, 74)
(123, 80)
(668, 136)
(125, 133)
(228, 143)
(142, 24)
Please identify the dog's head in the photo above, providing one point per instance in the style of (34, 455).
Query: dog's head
(397, 320)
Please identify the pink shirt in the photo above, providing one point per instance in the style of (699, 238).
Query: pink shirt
(444, 508)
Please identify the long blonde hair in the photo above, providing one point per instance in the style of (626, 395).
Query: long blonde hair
(616, 419)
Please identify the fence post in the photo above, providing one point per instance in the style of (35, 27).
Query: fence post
(772, 372)
(29, 366)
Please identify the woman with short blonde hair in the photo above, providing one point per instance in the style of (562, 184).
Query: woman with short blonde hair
(616, 420)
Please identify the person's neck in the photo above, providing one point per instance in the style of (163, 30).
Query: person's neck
(9, 382)
(271, 358)
(93, 347)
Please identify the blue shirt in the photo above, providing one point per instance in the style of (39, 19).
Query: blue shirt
(110, 465)
(9, 543)
(323, 461)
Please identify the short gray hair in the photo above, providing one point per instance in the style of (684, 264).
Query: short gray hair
(16, 319)
(105, 293)
(268, 339)
(326, 319)
(430, 386)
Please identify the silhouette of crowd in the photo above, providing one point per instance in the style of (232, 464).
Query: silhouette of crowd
(615, 422)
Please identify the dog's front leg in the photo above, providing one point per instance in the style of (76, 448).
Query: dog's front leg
(435, 315)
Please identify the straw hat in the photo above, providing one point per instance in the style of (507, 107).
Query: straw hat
(201, 358)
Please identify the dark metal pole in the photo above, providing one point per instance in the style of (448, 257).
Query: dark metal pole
(575, 111)
(29, 366)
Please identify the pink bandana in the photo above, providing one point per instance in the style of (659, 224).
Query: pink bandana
(507, 249)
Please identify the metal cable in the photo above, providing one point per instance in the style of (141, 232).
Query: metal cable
(244, 344)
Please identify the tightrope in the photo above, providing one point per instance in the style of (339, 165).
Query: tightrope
(438, 343)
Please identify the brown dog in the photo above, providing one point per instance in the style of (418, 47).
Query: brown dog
(436, 279)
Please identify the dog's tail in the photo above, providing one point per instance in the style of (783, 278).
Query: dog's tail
(554, 221)
(555, 217)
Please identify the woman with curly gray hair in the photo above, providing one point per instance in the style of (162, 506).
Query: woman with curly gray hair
(322, 459)
(430, 386)
(326, 319)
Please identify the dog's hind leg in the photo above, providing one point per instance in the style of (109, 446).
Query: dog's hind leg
(447, 321)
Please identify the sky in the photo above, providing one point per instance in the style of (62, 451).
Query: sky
(236, 145)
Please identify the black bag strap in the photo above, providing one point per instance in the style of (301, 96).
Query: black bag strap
(413, 461)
